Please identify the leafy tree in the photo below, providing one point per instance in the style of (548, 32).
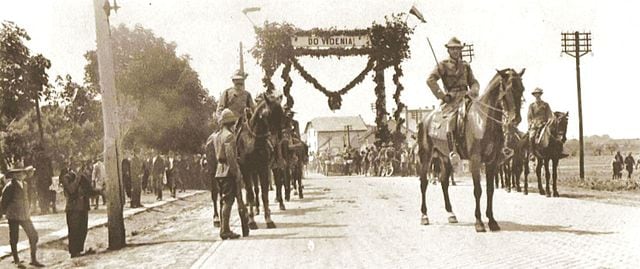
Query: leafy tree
(162, 102)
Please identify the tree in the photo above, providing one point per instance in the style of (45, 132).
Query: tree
(162, 103)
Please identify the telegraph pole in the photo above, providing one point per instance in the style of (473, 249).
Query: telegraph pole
(467, 51)
(576, 45)
(115, 199)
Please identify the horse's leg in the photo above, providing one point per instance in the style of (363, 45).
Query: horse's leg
(507, 177)
(299, 179)
(264, 188)
(251, 199)
(444, 175)
(277, 178)
(256, 190)
(490, 170)
(555, 177)
(539, 165)
(474, 166)
(287, 182)
(425, 171)
(526, 175)
(547, 176)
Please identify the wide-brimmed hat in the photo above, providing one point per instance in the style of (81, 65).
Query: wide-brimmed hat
(454, 42)
(227, 116)
(537, 91)
(239, 75)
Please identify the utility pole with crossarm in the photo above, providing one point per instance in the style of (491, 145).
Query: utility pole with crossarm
(576, 45)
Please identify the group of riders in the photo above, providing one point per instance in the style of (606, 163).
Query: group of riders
(460, 89)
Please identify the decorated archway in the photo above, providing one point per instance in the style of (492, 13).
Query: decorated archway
(386, 45)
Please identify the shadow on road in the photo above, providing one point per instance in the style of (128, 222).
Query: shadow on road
(143, 244)
(309, 225)
(299, 211)
(288, 236)
(508, 226)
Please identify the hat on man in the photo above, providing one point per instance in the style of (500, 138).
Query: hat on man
(227, 116)
(239, 75)
(537, 91)
(454, 42)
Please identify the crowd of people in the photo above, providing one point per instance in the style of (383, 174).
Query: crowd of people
(627, 163)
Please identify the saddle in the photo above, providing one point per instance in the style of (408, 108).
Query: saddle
(447, 129)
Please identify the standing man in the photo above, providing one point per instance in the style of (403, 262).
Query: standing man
(15, 205)
(458, 81)
(137, 174)
(539, 114)
(126, 173)
(158, 169)
(98, 176)
(629, 162)
(77, 190)
(226, 170)
(236, 98)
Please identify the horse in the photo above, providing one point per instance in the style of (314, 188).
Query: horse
(482, 138)
(255, 153)
(519, 162)
(299, 158)
(280, 166)
(554, 132)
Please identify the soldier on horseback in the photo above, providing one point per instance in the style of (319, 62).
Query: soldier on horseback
(236, 98)
(539, 114)
(458, 82)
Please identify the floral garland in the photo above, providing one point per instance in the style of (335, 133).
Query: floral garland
(396, 97)
(382, 130)
(335, 98)
(287, 84)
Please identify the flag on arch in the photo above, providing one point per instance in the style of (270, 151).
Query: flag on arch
(415, 12)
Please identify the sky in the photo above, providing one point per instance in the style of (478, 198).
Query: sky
(506, 34)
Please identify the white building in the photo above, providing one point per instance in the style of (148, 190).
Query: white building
(334, 133)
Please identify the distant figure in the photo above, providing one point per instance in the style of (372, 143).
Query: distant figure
(77, 190)
(98, 177)
(616, 165)
(629, 162)
(137, 175)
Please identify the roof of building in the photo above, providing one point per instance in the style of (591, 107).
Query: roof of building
(336, 124)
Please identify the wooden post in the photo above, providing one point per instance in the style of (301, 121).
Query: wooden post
(111, 126)
(577, 52)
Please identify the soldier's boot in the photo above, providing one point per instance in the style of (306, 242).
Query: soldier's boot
(225, 229)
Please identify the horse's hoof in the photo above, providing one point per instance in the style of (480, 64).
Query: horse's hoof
(216, 224)
(295, 192)
(509, 190)
(453, 183)
(424, 220)
(453, 219)
(548, 194)
(253, 225)
(493, 226)
(282, 207)
(271, 225)
(480, 227)
(556, 194)
(526, 192)
(542, 192)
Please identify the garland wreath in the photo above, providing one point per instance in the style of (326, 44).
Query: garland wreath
(389, 47)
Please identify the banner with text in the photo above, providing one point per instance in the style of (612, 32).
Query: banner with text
(340, 41)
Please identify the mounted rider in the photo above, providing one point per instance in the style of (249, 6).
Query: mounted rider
(458, 82)
(539, 114)
(236, 98)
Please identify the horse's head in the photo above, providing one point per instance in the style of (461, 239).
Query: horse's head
(559, 126)
(511, 90)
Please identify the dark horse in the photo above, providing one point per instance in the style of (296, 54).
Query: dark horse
(483, 140)
(255, 154)
(519, 162)
(554, 134)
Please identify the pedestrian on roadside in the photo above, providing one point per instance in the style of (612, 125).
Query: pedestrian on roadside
(629, 162)
(15, 205)
(98, 182)
(137, 174)
(158, 175)
(77, 190)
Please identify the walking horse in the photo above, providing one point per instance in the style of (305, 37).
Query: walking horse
(479, 140)
(551, 142)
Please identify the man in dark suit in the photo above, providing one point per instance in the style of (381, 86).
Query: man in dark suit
(158, 169)
(136, 175)
(78, 190)
(15, 205)
(126, 173)
(146, 172)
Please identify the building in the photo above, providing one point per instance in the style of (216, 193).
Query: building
(334, 133)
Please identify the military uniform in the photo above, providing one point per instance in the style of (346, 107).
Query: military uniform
(227, 175)
(457, 78)
(235, 99)
(538, 115)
